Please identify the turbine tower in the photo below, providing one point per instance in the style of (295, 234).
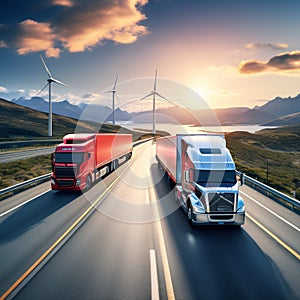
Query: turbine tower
(154, 93)
(49, 81)
(113, 91)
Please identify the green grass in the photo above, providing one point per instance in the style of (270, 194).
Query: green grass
(21, 170)
(281, 148)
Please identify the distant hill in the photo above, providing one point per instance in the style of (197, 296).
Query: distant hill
(19, 122)
(235, 116)
(63, 108)
(285, 109)
(282, 106)
(91, 112)
(291, 119)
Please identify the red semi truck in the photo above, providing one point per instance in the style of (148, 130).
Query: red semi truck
(83, 158)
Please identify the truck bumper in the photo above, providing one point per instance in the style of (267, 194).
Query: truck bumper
(237, 219)
(64, 184)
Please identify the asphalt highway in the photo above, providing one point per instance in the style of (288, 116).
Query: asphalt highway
(24, 154)
(127, 239)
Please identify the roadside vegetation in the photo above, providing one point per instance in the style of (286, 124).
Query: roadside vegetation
(21, 170)
(270, 156)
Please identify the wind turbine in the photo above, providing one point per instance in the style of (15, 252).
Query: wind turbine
(154, 93)
(50, 80)
(113, 91)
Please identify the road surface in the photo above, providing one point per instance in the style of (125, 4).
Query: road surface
(135, 243)
(24, 154)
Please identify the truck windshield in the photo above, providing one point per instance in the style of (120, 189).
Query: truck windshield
(215, 177)
(69, 157)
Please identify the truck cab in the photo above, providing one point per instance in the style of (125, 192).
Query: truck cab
(209, 192)
(204, 174)
(72, 162)
(83, 158)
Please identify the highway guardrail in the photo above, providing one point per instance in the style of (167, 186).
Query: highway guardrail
(11, 190)
(24, 185)
(271, 192)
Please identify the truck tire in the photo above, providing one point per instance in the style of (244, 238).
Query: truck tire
(129, 156)
(88, 182)
(111, 167)
(189, 216)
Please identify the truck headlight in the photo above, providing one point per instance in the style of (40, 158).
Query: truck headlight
(198, 209)
(240, 206)
(78, 181)
(53, 181)
(241, 209)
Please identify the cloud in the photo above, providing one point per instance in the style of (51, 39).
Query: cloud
(3, 44)
(35, 37)
(88, 24)
(3, 89)
(273, 46)
(90, 96)
(79, 26)
(67, 3)
(289, 61)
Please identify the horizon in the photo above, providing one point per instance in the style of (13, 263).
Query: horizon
(150, 104)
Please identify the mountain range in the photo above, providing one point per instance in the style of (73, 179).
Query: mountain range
(276, 112)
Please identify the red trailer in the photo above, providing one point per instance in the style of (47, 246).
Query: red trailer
(83, 158)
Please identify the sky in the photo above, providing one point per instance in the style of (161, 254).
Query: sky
(232, 53)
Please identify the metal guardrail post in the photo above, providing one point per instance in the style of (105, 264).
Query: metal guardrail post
(279, 195)
(25, 184)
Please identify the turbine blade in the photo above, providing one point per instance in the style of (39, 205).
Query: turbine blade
(46, 68)
(107, 92)
(117, 97)
(155, 78)
(114, 88)
(59, 82)
(152, 93)
(42, 89)
(159, 95)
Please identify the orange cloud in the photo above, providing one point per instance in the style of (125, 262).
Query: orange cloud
(67, 3)
(288, 61)
(34, 37)
(86, 25)
(79, 25)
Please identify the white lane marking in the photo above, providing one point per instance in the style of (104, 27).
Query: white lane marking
(163, 250)
(23, 203)
(26, 277)
(272, 212)
(275, 237)
(154, 278)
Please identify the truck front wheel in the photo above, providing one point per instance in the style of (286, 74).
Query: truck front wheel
(88, 182)
(189, 216)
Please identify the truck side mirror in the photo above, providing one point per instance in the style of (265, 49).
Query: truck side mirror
(242, 179)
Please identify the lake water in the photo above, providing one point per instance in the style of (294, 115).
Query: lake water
(175, 128)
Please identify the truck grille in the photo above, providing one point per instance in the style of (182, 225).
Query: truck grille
(65, 182)
(64, 172)
(221, 202)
